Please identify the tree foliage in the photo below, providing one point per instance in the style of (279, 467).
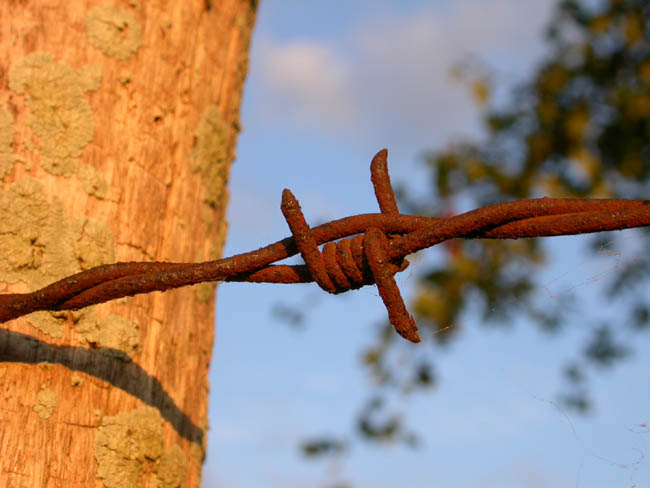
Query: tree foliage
(579, 127)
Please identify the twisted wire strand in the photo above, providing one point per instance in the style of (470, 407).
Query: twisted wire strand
(359, 250)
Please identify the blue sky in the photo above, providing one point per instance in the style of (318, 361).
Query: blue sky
(331, 83)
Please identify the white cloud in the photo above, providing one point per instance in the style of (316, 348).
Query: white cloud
(308, 81)
(390, 75)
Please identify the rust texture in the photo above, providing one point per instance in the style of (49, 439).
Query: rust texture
(376, 252)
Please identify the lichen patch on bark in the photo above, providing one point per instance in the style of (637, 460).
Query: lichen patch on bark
(125, 444)
(39, 244)
(114, 334)
(47, 323)
(114, 31)
(205, 292)
(129, 446)
(7, 157)
(95, 244)
(45, 403)
(171, 470)
(211, 155)
(60, 114)
(36, 240)
(92, 182)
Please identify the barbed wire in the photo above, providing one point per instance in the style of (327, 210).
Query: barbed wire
(377, 251)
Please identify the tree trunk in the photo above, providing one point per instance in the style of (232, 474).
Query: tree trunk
(118, 125)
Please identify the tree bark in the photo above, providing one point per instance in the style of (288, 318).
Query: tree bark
(118, 125)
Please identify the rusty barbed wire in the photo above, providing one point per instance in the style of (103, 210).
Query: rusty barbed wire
(377, 251)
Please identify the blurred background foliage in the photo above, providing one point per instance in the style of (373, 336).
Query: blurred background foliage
(578, 127)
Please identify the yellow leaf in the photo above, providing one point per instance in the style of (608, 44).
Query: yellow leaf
(600, 23)
(547, 111)
(480, 91)
(633, 28)
(554, 78)
(632, 165)
(553, 186)
(638, 106)
(539, 146)
(602, 190)
(577, 123)
(465, 268)
(475, 170)
(644, 71)
(431, 305)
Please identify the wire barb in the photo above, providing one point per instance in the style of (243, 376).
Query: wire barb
(358, 250)
(375, 245)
